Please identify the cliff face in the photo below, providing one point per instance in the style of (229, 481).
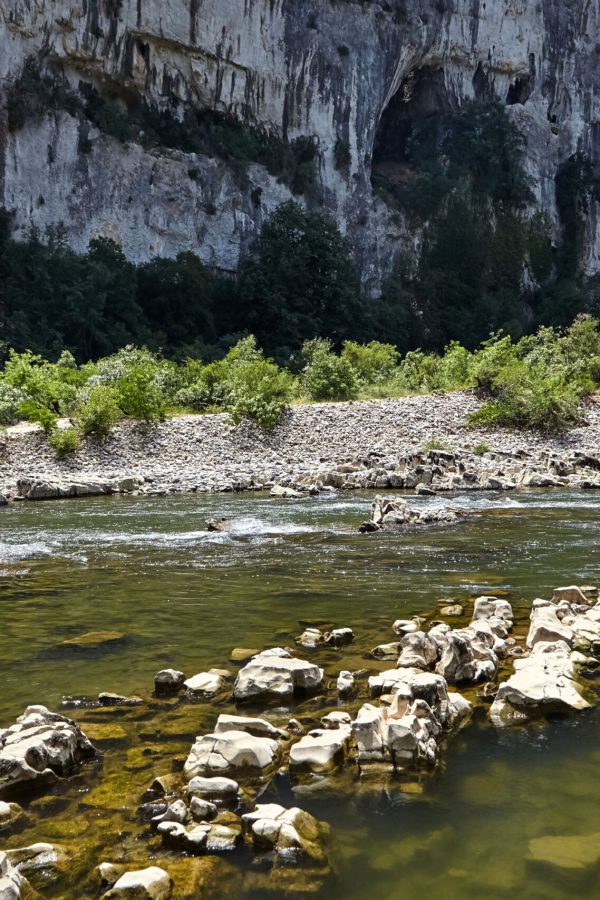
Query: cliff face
(335, 70)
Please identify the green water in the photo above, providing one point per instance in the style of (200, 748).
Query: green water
(184, 598)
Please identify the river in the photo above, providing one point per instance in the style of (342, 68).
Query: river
(184, 597)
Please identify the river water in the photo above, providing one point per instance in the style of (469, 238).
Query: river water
(179, 596)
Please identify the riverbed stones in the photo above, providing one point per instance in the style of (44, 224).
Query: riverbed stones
(338, 637)
(581, 851)
(40, 747)
(232, 753)
(468, 655)
(168, 681)
(152, 883)
(277, 674)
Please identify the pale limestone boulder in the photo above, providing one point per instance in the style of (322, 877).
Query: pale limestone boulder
(336, 719)
(543, 682)
(215, 788)
(571, 594)
(203, 838)
(369, 730)
(338, 637)
(152, 883)
(277, 674)
(417, 651)
(311, 638)
(40, 747)
(469, 655)
(345, 683)
(205, 684)
(321, 750)
(293, 834)
(231, 753)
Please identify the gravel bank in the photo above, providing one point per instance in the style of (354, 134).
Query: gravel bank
(206, 453)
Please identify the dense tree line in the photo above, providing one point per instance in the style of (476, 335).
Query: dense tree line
(299, 282)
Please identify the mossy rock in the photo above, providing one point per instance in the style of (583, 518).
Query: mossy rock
(12, 818)
(210, 877)
(109, 732)
(92, 639)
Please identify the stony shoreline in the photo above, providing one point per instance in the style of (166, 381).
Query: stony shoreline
(342, 445)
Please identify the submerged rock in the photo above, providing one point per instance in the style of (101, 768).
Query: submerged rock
(579, 851)
(92, 639)
(40, 747)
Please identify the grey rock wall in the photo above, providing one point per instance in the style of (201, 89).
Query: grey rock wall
(323, 68)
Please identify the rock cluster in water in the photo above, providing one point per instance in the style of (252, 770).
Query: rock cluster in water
(224, 800)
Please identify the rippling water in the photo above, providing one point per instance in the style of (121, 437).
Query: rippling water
(184, 597)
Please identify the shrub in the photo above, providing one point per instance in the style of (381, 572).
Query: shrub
(40, 415)
(64, 441)
(528, 397)
(327, 376)
(481, 449)
(11, 400)
(99, 411)
(140, 396)
(435, 444)
(258, 390)
(373, 362)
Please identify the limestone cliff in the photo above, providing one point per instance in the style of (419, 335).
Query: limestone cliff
(333, 70)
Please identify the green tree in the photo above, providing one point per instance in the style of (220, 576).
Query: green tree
(300, 281)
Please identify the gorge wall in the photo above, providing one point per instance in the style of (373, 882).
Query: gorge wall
(337, 71)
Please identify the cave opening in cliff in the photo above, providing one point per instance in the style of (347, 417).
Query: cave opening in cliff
(417, 112)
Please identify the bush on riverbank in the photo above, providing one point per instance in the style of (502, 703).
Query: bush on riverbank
(536, 382)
